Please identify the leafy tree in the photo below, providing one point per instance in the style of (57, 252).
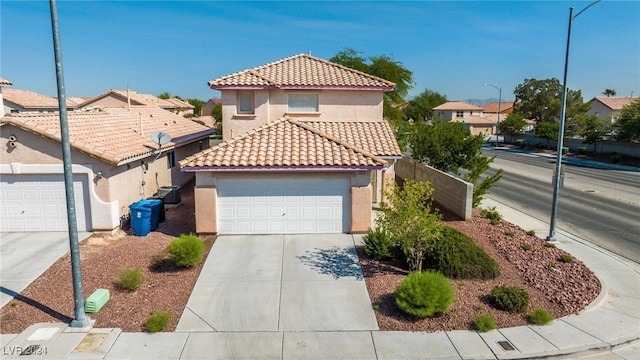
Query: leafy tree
(384, 67)
(547, 130)
(165, 95)
(197, 103)
(216, 112)
(421, 107)
(628, 124)
(513, 124)
(408, 219)
(450, 147)
(609, 92)
(541, 100)
(576, 109)
(594, 129)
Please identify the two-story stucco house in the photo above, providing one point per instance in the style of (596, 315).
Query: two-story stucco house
(471, 116)
(609, 107)
(305, 150)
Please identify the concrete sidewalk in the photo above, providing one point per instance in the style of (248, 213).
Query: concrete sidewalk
(608, 329)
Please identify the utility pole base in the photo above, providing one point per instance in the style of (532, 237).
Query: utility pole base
(81, 323)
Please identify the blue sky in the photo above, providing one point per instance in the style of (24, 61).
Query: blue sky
(452, 47)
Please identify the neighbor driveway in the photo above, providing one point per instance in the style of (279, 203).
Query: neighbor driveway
(280, 283)
(25, 256)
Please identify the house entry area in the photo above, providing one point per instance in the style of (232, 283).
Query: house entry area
(283, 205)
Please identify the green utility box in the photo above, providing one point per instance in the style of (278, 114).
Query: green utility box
(96, 301)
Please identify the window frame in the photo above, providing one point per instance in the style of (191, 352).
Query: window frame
(171, 159)
(301, 110)
(239, 104)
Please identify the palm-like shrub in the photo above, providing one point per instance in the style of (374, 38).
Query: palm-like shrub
(425, 294)
(376, 244)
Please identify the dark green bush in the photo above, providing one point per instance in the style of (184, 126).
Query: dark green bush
(521, 142)
(377, 244)
(158, 321)
(539, 145)
(130, 279)
(424, 294)
(582, 150)
(615, 157)
(565, 258)
(186, 250)
(509, 232)
(540, 316)
(549, 244)
(510, 298)
(484, 323)
(531, 233)
(455, 255)
(525, 246)
(565, 149)
(492, 214)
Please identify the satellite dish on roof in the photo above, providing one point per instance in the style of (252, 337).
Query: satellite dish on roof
(160, 137)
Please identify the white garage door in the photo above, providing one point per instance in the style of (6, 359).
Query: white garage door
(38, 203)
(284, 206)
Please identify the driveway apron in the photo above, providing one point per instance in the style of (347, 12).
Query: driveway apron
(280, 283)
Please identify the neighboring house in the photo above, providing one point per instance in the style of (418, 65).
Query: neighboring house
(469, 115)
(115, 163)
(506, 108)
(125, 98)
(608, 107)
(3, 83)
(20, 101)
(209, 105)
(306, 150)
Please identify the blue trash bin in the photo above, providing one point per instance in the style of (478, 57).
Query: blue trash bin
(140, 218)
(154, 205)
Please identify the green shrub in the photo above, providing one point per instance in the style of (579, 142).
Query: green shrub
(582, 150)
(509, 232)
(549, 244)
(130, 279)
(455, 255)
(424, 294)
(510, 298)
(551, 265)
(484, 323)
(540, 316)
(565, 258)
(539, 145)
(615, 157)
(492, 214)
(158, 321)
(377, 244)
(525, 246)
(521, 142)
(565, 149)
(531, 233)
(186, 250)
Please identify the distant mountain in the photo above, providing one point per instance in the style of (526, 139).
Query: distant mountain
(481, 102)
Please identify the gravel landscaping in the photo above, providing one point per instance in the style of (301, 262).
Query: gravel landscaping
(564, 289)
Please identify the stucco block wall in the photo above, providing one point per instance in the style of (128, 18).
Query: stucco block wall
(205, 208)
(361, 197)
(454, 194)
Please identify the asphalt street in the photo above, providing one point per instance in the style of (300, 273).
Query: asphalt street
(600, 205)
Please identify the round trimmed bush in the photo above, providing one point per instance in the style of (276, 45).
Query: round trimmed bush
(484, 323)
(186, 250)
(540, 316)
(130, 279)
(376, 244)
(510, 298)
(425, 294)
(455, 255)
(157, 321)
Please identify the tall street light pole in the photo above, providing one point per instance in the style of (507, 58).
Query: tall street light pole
(563, 113)
(499, 104)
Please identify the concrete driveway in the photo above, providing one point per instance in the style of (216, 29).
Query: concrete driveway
(280, 283)
(25, 256)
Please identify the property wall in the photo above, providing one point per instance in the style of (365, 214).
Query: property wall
(454, 194)
(623, 148)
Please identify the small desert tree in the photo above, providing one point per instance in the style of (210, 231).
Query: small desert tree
(513, 124)
(593, 129)
(547, 130)
(408, 218)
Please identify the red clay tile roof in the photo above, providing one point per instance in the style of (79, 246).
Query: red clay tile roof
(302, 72)
(457, 106)
(4, 82)
(114, 135)
(493, 107)
(374, 137)
(283, 144)
(31, 100)
(184, 104)
(614, 103)
(135, 97)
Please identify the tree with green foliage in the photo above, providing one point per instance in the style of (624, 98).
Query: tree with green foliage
(609, 92)
(386, 68)
(197, 103)
(541, 100)
(513, 124)
(165, 95)
(450, 147)
(421, 107)
(408, 219)
(547, 130)
(593, 129)
(576, 109)
(628, 124)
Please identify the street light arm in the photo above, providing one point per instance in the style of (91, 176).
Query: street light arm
(585, 9)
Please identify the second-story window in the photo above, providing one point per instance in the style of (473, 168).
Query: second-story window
(245, 102)
(459, 114)
(302, 103)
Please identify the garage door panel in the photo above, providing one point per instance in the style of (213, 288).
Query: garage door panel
(285, 205)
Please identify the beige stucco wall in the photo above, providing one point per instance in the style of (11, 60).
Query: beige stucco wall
(452, 193)
(206, 209)
(599, 109)
(271, 105)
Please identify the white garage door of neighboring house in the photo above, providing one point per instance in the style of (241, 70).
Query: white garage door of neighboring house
(38, 203)
(284, 205)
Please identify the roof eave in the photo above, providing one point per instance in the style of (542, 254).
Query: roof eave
(278, 168)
